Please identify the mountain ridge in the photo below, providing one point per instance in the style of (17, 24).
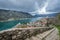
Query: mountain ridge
(45, 15)
(8, 14)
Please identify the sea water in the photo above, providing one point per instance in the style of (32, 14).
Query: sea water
(11, 24)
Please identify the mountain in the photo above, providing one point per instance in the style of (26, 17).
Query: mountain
(10, 14)
(45, 15)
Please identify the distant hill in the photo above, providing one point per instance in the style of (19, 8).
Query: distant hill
(44, 15)
(9, 14)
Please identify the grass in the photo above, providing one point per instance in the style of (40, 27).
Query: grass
(58, 27)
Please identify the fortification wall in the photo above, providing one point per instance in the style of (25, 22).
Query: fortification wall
(29, 34)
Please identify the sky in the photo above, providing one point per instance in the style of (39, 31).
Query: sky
(29, 5)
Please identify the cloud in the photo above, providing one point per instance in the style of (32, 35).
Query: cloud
(16, 4)
(28, 5)
(53, 5)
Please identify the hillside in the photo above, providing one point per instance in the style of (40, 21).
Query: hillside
(58, 19)
(9, 14)
(58, 16)
(58, 22)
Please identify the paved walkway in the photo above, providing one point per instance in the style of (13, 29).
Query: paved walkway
(48, 35)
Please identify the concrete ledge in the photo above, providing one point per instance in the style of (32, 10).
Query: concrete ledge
(31, 28)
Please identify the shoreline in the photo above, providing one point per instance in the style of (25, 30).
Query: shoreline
(11, 19)
(14, 19)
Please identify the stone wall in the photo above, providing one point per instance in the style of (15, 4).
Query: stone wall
(18, 34)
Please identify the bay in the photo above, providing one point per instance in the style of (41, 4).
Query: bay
(11, 24)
